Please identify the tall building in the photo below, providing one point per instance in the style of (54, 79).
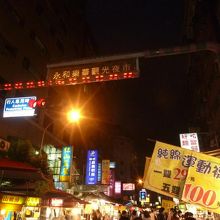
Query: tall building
(32, 35)
(202, 25)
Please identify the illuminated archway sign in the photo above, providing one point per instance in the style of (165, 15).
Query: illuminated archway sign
(93, 70)
(106, 68)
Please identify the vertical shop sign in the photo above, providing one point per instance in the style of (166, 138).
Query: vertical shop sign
(112, 182)
(92, 167)
(118, 187)
(105, 171)
(189, 141)
(66, 163)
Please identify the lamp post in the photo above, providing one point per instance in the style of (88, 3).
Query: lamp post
(74, 115)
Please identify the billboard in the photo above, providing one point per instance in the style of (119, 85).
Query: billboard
(92, 167)
(18, 107)
(66, 163)
(189, 141)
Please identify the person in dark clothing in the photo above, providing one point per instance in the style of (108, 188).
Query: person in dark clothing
(161, 215)
(124, 216)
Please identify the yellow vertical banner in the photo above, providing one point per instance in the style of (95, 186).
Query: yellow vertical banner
(202, 186)
(105, 171)
(167, 170)
(146, 168)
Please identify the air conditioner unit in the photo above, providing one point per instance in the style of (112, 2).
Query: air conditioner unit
(4, 145)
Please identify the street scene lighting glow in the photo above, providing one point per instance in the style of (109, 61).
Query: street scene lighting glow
(74, 116)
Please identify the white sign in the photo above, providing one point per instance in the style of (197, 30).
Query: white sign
(18, 107)
(117, 187)
(189, 141)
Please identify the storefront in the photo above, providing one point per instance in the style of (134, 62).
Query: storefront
(31, 208)
(52, 208)
(11, 207)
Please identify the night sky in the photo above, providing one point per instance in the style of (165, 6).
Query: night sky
(156, 105)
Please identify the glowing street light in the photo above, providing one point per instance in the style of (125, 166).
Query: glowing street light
(74, 115)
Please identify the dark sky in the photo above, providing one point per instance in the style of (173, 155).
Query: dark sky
(157, 104)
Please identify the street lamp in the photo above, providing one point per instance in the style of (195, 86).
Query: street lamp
(73, 115)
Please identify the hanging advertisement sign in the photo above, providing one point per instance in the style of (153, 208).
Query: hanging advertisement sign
(185, 174)
(202, 186)
(105, 171)
(66, 163)
(92, 167)
(169, 166)
(189, 141)
(18, 107)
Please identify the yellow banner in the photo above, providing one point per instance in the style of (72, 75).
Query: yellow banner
(202, 186)
(10, 199)
(167, 170)
(188, 175)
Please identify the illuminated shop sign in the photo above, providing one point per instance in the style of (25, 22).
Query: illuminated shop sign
(189, 141)
(117, 187)
(66, 162)
(92, 167)
(99, 172)
(32, 201)
(18, 107)
(56, 202)
(128, 186)
(106, 172)
(112, 165)
(93, 71)
(13, 199)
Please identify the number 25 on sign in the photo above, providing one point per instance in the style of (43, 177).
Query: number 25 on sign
(198, 195)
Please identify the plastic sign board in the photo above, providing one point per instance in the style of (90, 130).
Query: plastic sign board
(18, 107)
(66, 163)
(92, 167)
(189, 141)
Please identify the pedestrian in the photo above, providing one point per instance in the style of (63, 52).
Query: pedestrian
(133, 215)
(146, 215)
(170, 214)
(153, 215)
(124, 216)
(94, 215)
(161, 215)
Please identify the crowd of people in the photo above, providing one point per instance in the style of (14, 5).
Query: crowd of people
(159, 214)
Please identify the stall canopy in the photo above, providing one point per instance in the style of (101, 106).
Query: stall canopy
(18, 170)
(67, 197)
